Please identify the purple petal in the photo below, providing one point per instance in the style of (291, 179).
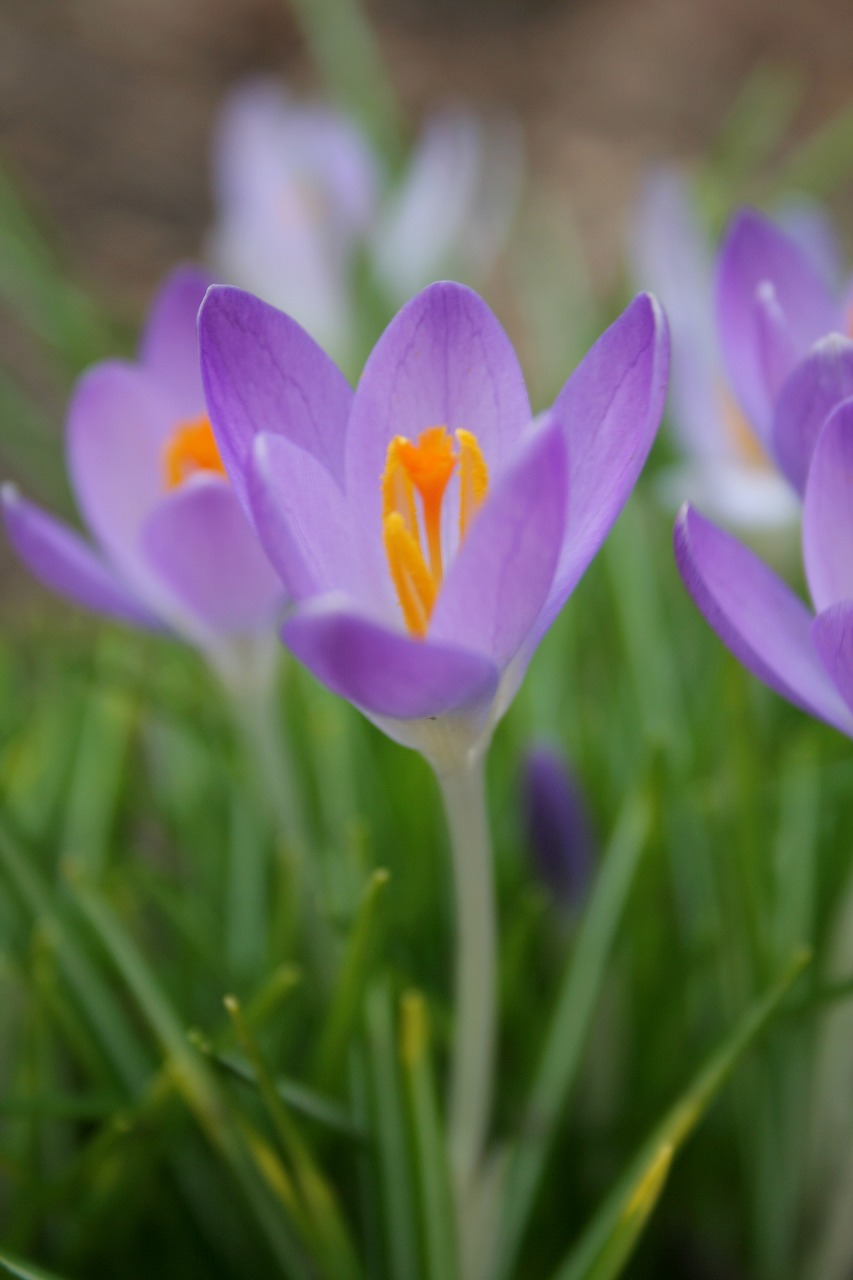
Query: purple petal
(65, 563)
(118, 423)
(497, 585)
(817, 385)
(384, 672)
(262, 372)
(169, 346)
(756, 615)
(300, 515)
(201, 545)
(610, 410)
(828, 512)
(832, 636)
(443, 361)
(755, 252)
(558, 829)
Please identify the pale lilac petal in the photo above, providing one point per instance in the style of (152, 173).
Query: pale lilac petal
(384, 672)
(65, 563)
(828, 512)
(817, 385)
(808, 223)
(118, 424)
(610, 410)
(262, 372)
(443, 361)
(498, 583)
(832, 636)
(169, 346)
(756, 615)
(755, 252)
(201, 545)
(300, 515)
(777, 350)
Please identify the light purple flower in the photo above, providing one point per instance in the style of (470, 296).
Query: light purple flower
(557, 826)
(170, 545)
(805, 655)
(301, 195)
(426, 529)
(731, 459)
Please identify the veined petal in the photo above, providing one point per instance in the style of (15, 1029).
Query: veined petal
(443, 361)
(818, 384)
(118, 423)
(503, 571)
(64, 562)
(756, 252)
(262, 372)
(385, 672)
(300, 516)
(201, 545)
(828, 512)
(169, 346)
(832, 636)
(757, 617)
(609, 411)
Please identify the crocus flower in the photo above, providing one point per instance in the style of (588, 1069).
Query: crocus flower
(301, 197)
(169, 544)
(557, 826)
(805, 655)
(730, 461)
(427, 530)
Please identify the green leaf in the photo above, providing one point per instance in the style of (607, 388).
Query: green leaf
(561, 1054)
(24, 1270)
(609, 1240)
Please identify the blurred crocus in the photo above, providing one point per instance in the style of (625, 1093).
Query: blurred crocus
(169, 543)
(427, 530)
(723, 427)
(805, 655)
(557, 826)
(301, 196)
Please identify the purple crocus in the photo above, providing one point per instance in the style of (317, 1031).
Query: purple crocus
(557, 826)
(805, 655)
(427, 530)
(784, 332)
(731, 461)
(170, 545)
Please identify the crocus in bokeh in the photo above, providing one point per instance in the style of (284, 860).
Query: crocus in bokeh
(730, 463)
(557, 826)
(805, 655)
(169, 546)
(302, 198)
(427, 530)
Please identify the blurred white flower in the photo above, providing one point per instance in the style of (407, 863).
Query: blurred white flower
(301, 196)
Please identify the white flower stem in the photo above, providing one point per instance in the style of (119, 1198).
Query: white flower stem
(473, 1058)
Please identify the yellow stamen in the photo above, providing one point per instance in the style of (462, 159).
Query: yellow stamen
(190, 448)
(425, 467)
(413, 582)
(746, 443)
(473, 479)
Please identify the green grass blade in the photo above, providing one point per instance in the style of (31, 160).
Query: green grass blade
(24, 1270)
(436, 1201)
(609, 1241)
(561, 1055)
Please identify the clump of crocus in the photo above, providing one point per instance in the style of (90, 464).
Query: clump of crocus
(557, 826)
(302, 198)
(725, 387)
(426, 528)
(805, 656)
(169, 546)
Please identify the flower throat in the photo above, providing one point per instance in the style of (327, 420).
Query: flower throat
(412, 544)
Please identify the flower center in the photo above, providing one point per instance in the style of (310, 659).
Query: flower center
(424, 468)
(190, 448)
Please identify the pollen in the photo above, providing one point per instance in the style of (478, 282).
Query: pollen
(190, 448)
(414, 484)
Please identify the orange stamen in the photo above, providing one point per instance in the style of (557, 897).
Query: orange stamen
(425, 467)
(191, 448)
(746, 443)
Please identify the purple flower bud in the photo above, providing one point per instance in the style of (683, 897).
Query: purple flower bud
(557, 826)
